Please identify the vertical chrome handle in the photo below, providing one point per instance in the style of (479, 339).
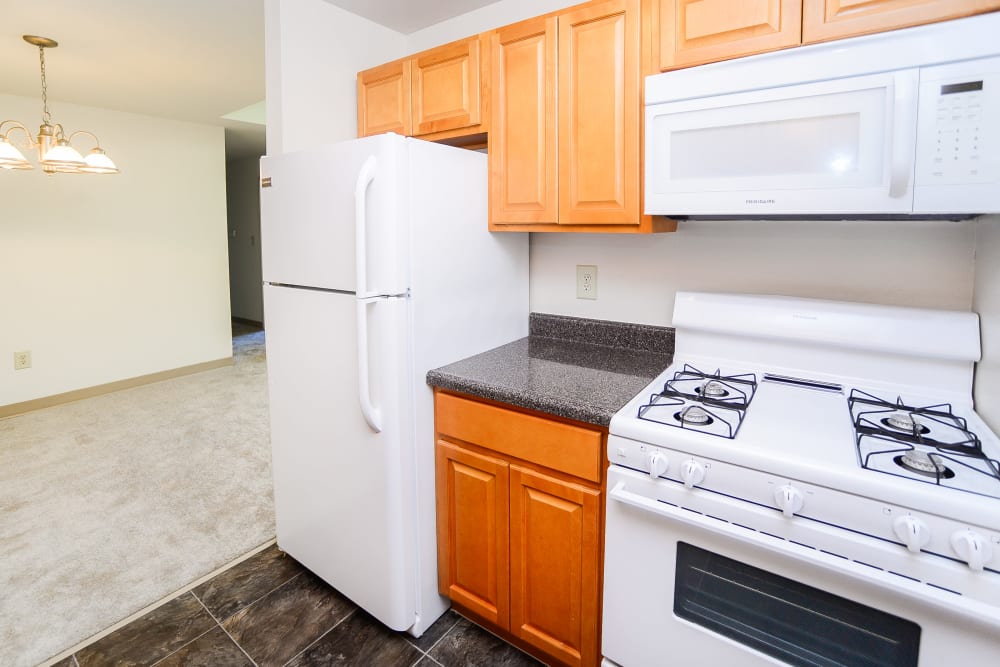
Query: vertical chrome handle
(369, 411)
(904, 136)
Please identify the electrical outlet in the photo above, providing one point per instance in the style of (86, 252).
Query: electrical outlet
(22, 360)
(586, 281)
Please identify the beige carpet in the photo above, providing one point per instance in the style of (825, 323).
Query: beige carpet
(110, 503)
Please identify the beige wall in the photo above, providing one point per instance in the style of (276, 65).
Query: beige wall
(986, 302)
(313, 52)
(925, 264)
(105, 278)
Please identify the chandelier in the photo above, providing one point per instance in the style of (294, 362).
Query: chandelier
(55, 150)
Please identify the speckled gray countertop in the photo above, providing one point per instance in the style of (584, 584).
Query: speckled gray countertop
(571, 367)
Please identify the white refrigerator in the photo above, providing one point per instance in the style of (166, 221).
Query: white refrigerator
(377, 267)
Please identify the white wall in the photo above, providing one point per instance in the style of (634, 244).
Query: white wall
(313, 52)
(925, 264)
(111, 277)
(246, 297)
(986, 302)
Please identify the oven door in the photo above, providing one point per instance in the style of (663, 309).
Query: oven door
(841, 146)
(697, 578)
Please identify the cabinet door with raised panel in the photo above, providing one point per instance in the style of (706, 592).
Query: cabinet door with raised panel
(446, 87)
(599, 111)
(555, 546)
(833, 19)
(693, 32)
(472, 529)
(384, 99)
(523, 167)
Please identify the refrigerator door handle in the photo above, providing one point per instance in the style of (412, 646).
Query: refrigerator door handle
(371, 413)
(365, 177)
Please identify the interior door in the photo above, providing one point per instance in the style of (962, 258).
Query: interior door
(343, 492)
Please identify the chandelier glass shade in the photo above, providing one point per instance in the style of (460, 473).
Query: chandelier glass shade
(56, 153)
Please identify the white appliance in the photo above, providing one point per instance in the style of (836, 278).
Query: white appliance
(378, 266)
(807, 484)
(904, 122)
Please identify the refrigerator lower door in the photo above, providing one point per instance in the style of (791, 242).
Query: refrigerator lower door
(343, 492)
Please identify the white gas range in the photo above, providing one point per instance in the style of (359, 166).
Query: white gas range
(807, 484)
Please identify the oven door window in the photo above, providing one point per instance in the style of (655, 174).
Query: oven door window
(787, 620)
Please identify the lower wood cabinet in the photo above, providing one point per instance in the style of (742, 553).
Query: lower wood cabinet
(519, 541)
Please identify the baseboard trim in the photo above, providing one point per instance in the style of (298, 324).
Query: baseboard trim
(128, 383)
(243, 320)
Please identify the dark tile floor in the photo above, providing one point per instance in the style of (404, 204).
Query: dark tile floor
(270, 611)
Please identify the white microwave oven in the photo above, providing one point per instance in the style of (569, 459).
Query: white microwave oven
(899, 123)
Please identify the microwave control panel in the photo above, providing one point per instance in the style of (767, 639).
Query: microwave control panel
(958, 137)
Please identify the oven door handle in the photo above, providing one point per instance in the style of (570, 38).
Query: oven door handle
(971, 610)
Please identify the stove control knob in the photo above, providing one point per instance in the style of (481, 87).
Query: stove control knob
(692, 473)
(912, 531)
(658, 464)
(972, 547)
(788, 498)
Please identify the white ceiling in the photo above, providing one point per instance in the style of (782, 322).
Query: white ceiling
(408, 16)
(193, 60)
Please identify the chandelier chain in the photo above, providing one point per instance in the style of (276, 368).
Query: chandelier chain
(46, 116)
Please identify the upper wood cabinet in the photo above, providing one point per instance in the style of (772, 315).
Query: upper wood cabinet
(384, 99)
(523, 147)
(599, 109)
(446, 87)
(832, 19)
(565, 140)
(692, 32)
(436, 94)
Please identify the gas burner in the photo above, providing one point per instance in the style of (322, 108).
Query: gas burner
(693, 415)
(712, 389)
(924, 464)
(905, 422)
(710, 403)
(929, 444)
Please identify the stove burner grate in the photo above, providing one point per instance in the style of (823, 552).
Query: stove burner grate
(929, 444)
(703, 399)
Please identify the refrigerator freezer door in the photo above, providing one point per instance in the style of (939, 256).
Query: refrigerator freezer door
(343, 493)
(308, 208)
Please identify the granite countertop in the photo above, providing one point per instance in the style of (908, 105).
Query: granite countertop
(570, 367)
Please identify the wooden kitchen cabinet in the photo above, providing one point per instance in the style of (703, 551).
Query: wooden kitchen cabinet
(520, 525)
(523, 148)
(384, 99)
(436, 94)
(833, 19)
(565, 140)
(555, 565)
(693, 32)
(446, 87)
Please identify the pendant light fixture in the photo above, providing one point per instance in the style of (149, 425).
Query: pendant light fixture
(55, 150)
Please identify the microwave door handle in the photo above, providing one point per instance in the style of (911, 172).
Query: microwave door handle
(369, 411)
(904, 112)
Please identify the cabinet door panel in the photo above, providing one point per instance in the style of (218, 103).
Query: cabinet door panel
(833, 19)
(701, 31)
(523, 168)
(446, 87)
(472, 516)
(555, 549)
(599, 110)
(384, 99)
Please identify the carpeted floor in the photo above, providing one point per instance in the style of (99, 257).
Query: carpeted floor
(111, 503)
